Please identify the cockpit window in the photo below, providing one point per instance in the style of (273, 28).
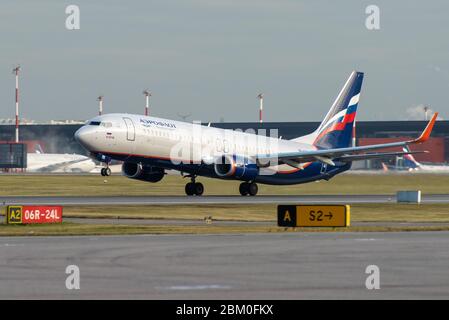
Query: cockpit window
(95, 123)
(106, 124)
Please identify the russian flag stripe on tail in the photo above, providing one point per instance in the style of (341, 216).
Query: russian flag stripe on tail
(336, 130)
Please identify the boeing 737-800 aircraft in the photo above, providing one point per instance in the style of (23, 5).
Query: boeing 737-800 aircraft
(148, 146)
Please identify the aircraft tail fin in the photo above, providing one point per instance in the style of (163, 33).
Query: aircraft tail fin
(409, 160)
(336, 130)
(38, 148)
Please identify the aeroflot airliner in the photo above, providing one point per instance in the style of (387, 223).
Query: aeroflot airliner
(149, 146)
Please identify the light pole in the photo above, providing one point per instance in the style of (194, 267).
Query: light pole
(16, 72)
(353, 134)
(426, 109)
(147, 102)
(100, 105)
(260, 96)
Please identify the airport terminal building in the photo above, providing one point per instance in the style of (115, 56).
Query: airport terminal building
(58, 138)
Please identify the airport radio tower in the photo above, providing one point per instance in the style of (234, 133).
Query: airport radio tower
(260, 96)
(16, 72)
(426, 110)
(147, 101)
(100, 105)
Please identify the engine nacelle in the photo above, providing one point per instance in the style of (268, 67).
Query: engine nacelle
(142, 172)
(228, 166)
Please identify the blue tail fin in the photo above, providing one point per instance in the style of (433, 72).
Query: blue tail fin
(337, 127)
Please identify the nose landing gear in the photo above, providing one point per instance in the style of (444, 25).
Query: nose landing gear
(248, 188)
(105, 172)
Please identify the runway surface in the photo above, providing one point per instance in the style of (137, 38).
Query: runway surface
(252, 266)
(185, 200)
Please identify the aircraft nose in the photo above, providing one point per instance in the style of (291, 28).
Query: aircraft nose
(84, 137)
(79, 134)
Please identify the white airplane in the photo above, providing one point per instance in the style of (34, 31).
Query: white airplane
(149, 146)
(59, 163)
(411, 164)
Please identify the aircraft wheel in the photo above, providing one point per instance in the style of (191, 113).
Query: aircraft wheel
(102, 172)
(244, 188)
(198, 188)
(253, 188)
(190, 189)
(107, 171)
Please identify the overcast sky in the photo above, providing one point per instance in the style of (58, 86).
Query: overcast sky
(211, 58)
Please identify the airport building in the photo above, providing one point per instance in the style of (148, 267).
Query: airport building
(58, 137)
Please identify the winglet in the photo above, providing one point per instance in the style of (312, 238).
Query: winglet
(426, 133)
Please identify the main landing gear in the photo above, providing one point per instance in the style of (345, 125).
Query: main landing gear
(248, 188)
(105, 172)
(194, 188)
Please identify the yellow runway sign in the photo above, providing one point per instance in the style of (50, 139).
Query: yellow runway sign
(313, 215)
(14, 214)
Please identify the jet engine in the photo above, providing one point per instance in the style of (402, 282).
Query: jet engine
(142, 172)
(228, 166)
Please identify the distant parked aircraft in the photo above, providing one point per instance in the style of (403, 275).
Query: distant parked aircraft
(409, 163)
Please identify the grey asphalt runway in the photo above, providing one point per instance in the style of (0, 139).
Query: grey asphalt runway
(185, 200)
(413, 265)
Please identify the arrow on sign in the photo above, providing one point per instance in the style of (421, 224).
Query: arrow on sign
(329, 215)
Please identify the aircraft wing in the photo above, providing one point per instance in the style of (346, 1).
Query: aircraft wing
(329, 155)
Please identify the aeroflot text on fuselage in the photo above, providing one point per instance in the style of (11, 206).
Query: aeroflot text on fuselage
(148, 123)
